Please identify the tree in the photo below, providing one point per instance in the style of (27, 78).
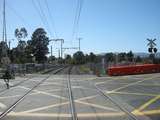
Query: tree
(19, 51)
(68, 58)
(122, 56)
(39, 45)
(109, 57)
(79, 57)
(130, 56)
(21, 33)
(92, 57)
(138, 59)
(51, 59)
(3, 49)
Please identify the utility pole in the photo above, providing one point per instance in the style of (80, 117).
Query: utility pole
(51, 51)
(79, 39)
(4, 35)
(62, 41)
(58, 53)
(5, 59)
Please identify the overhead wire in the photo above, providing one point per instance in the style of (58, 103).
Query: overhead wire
(45, 18)
(18, 15)
(51, 18)
(77, 18)
(41, 14)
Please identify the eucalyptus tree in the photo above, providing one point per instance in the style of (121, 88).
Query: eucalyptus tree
(19, 51)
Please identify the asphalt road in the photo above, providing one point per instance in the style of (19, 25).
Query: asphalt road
(136, 94)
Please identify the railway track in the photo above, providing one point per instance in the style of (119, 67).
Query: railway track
(70, 93)
(101, 93)
(84, 94)
(71, 98)
(55, 71)
(19, 83)
(116, 103)
(6, 111)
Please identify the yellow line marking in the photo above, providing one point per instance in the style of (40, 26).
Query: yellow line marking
(147, 84)
(146, 112)
(151, 112)
(130, 84)
(128, 93)
(142, 107)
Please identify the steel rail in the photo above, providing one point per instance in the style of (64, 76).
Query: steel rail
(117, 104)
(71, 98)
(3, 114)
(14, 85)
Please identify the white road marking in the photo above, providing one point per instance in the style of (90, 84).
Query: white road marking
(2, 105)
(43, 108)
(80, 115)
(45, 93)
(96, 106)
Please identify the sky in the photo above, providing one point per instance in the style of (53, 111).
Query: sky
(104, 25)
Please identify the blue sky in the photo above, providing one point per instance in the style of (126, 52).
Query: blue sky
(105, 25)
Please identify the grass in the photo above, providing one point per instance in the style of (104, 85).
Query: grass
(84, 69)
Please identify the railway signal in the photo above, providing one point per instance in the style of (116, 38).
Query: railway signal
(152, 48)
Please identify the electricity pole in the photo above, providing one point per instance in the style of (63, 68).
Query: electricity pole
(62, 41)
(51, 51)
(4, 35)
(79, 39)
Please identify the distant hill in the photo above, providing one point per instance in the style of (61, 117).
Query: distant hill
(141, 54)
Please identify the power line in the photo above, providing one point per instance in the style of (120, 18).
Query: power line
(43, 14)
(40, 14)
(18, 15)
(77, 18)
(51, 18)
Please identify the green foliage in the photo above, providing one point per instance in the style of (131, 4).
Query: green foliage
(68, 59)
(51, 59)
(138, 59)
(92, 58)
(79, 57)
(109, 57)
(38, 45)
(122, 56)
(21, 33)
(3, 49)
(130, 56)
